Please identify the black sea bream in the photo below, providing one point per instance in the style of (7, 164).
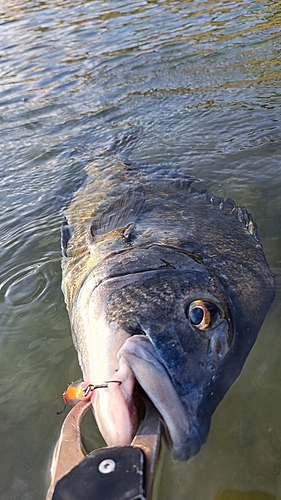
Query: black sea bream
(166, 288)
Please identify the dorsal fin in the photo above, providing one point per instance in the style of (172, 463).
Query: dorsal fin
(241, 213)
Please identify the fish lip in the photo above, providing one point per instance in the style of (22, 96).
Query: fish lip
(181, 432)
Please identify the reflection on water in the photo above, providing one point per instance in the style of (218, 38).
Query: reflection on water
(203, 79)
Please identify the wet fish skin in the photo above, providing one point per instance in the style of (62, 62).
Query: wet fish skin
(141, 245)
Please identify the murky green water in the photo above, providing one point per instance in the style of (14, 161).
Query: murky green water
(203, 78)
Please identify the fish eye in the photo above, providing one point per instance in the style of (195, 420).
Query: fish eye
(202, 314)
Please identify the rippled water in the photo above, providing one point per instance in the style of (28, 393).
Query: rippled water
(203, 78)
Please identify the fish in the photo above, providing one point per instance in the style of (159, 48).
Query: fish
(166, 288)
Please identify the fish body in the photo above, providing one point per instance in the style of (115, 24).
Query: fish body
(166, 288)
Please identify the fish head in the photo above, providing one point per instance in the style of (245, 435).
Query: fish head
(181, 330)
(175, 331)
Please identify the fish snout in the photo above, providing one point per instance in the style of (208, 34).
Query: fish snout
(181, 432)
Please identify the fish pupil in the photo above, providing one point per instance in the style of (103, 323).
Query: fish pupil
(196, 315)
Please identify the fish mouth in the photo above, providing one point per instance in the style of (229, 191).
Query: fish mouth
(181, 432)
(139, 361)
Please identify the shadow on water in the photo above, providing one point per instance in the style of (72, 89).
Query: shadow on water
(203, 80)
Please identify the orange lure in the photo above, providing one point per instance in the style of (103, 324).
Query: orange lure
(78, 391)
(81, 391)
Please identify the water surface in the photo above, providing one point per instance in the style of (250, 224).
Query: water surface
(203, 79)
